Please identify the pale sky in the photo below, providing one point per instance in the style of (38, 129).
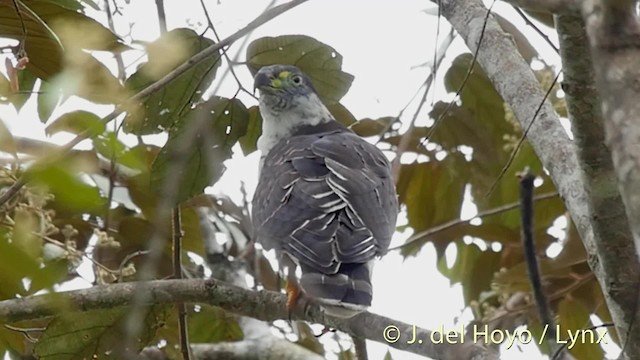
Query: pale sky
(383, 44)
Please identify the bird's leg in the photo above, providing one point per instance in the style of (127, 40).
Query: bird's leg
(292, 287)
(293, 293)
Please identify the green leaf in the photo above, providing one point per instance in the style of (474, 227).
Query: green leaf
(433, 195)
(574, 317)
(44, 46)
(192, 160)
(249, 141)
(48, 99)
(87, 77)
(77, 122)
(26, 82)
(387, 356)
(369, 127)
(70, 193)
(75, 29)
(473, 268)
(341, 114)
(85, 335)
(319, 61)
(212, 325)
(108, 145)
(169, 105)
(41, 44)
(52, 273)
(15, 265)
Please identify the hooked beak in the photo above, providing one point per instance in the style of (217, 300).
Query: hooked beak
(262, 82)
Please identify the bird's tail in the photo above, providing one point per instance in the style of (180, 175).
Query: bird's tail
(347, 292)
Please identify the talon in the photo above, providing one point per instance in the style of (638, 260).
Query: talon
(325, 330)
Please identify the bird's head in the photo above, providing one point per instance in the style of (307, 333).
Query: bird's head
(282, 83)
(288, 100)
(285, 88)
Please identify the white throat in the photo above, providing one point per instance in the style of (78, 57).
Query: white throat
(279, 124)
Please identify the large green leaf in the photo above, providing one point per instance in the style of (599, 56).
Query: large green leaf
(249, 141)
(370, 127)
(94, 334)
(77, 122)
(433, 195)
(43, 46)
(169, 105)
(48, 99)
(319, 61)
(87, 77)
(26, 82)
(70, 193)
(473, 268)
(16, 264)
(574, 317)
(192, 159)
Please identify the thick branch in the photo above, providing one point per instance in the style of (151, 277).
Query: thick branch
(550, 6)
(516, 83)
(614, 35)
(585, 113)
(262, 305)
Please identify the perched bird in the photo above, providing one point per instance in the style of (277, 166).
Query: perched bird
(325, 200)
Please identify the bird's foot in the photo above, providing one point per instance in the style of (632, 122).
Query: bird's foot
(293, 294)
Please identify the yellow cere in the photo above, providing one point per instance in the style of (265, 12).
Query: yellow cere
(276, 83)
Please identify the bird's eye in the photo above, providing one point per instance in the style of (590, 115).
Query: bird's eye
(296, 80)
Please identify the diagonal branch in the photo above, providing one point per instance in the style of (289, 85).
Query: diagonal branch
(262, 305)
(516, 83)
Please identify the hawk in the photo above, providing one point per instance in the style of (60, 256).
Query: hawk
(325, 199)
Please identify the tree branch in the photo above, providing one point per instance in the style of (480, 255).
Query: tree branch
(262, 305)
(587, 124)
(549, 6)
(614, 36)
(516, 83)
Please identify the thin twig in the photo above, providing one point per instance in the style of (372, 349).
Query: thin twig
(558, 294)
(126, 260)
(117, 56)
(21, 51)
(536, 29)
(26, 332)
(162, 17)
(405, 139)
(464, 81)
(153, 88)
(453, 223)
(523, 137)
(529, 248)
(224, 51)
(177, 274)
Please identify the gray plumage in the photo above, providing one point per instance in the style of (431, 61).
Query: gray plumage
(325, 196)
